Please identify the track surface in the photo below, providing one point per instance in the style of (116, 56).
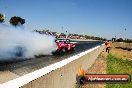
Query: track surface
(29, 65)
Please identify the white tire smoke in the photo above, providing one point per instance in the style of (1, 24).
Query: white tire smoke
(21, 43)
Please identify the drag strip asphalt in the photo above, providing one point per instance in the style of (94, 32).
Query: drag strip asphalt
(21, 67)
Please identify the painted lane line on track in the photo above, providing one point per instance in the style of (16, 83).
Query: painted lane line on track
(20, 81)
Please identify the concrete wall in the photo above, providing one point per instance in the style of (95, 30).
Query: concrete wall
(65, 77)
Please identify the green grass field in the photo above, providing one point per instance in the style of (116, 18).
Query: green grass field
(119, 66)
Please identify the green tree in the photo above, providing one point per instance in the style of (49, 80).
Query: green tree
(1, 18)
(15, 21)
(120, 40)
(87, 37)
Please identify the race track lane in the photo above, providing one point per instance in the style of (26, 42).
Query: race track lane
(29, 65)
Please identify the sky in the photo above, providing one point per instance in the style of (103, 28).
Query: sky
(102, 18)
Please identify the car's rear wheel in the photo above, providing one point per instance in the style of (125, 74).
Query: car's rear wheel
(62, 52)
(73, 49)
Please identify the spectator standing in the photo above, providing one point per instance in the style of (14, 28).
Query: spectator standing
(107, 45)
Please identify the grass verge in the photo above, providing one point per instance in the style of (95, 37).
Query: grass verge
(119, 66)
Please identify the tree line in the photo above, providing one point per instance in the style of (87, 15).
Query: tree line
(94, 37)
(15, 20)
(124, 40)
(90, 37)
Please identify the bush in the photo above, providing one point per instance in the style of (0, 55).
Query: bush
(17, 21)
(1, 18)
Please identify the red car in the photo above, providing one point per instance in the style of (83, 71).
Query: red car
(64, 45)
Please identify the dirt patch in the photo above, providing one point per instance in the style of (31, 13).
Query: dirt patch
(119, 52)
(99, 67)
(122, 45)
